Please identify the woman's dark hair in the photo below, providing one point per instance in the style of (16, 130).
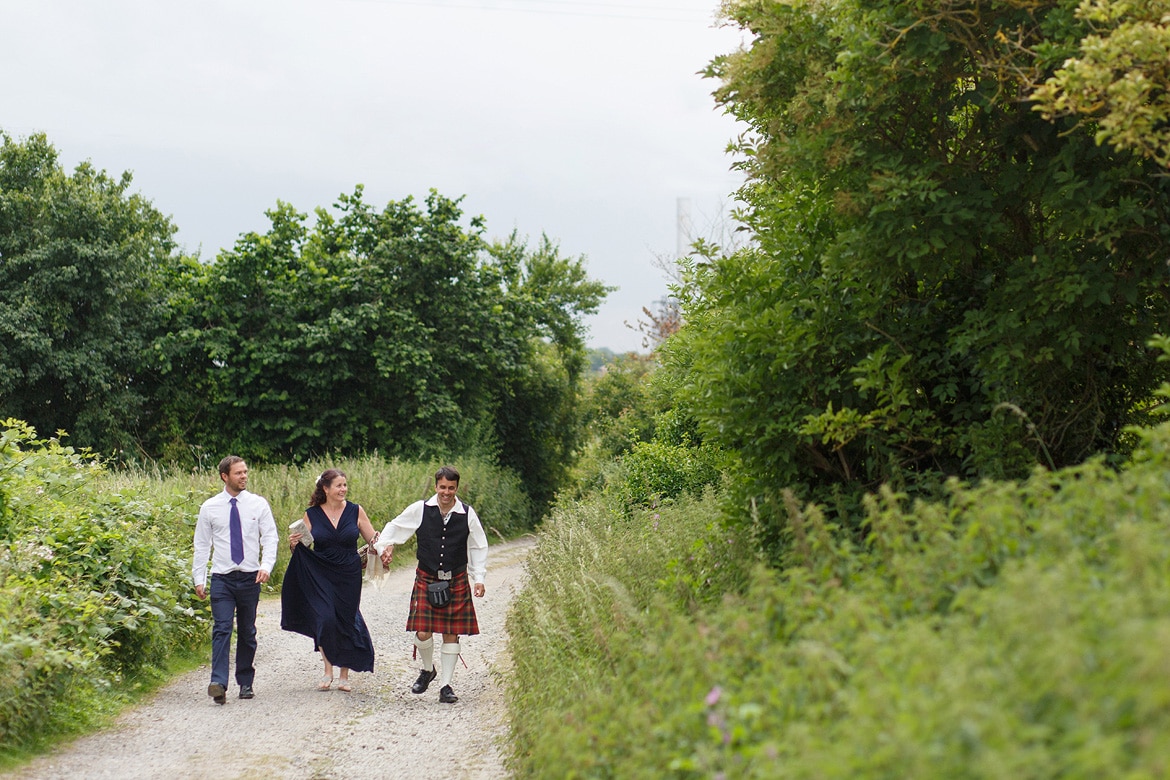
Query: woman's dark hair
(448, 473)
(324, 481)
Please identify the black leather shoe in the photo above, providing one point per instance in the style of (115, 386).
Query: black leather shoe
(246, 692)
(217, 693)
(424, 680)
(447, 696)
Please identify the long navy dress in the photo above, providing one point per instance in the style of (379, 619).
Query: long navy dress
(322, 591)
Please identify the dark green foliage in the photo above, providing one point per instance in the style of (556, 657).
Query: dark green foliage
(537, 417)
(943, 283)
(402, 331)
(82, 270)
(398, 331)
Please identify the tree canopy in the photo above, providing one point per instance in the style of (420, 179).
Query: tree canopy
(401, 331)
(1117, 77)
(83, 264)
(944, 281)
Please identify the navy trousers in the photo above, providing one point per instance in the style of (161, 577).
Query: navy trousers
(234, 598)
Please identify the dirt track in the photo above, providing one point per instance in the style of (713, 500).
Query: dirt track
(292, 730)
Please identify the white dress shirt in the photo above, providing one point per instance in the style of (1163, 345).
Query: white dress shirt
(213, 536)
(401, 528)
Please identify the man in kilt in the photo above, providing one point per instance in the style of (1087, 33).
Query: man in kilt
(452, 548)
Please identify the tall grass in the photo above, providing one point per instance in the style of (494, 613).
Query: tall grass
(607, 605)
(1012, 630)
(383, 488)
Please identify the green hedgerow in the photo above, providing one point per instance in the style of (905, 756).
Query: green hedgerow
(1009, 630)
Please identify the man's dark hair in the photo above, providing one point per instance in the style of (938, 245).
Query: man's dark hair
(225, 465)
(448, 473)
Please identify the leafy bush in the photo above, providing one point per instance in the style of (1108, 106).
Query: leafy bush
(85, 287)
(35, 655)
(928, 251)
(617, 410)
(93, 585)
(379, 296)
(657, 470)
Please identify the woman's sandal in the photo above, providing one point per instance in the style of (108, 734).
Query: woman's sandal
(325, 684)
(344, 686)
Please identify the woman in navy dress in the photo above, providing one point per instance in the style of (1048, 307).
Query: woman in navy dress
(322, 587)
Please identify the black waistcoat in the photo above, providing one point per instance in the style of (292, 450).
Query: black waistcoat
(442, 547)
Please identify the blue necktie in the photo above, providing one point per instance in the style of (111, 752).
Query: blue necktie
(237, 534)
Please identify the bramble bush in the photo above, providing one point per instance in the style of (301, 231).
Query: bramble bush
(1009, 630)
(93, 584)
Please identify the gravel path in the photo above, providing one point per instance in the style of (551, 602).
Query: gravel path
(292, 730)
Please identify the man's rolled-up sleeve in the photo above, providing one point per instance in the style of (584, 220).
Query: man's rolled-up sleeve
(401, 528)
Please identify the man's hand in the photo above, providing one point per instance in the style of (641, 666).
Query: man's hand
(387, 555)
(478, 590)
(261, 576)
(200, 592)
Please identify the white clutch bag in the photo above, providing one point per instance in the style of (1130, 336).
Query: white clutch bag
(299, 527)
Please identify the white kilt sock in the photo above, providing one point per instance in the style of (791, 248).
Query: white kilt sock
(426, 652)
(449, 654)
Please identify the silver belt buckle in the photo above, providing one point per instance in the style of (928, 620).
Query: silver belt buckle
(443, 575)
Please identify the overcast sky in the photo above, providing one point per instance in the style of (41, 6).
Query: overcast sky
(584, 121)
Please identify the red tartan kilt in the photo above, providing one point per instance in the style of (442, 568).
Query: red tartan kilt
(458, 617)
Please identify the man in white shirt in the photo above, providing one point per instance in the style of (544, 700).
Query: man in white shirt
(233, 528)
(452, 548)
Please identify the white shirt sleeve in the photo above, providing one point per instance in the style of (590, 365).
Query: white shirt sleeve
(401, 528)
(477, 547)
(269, 537)
(203, 535)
